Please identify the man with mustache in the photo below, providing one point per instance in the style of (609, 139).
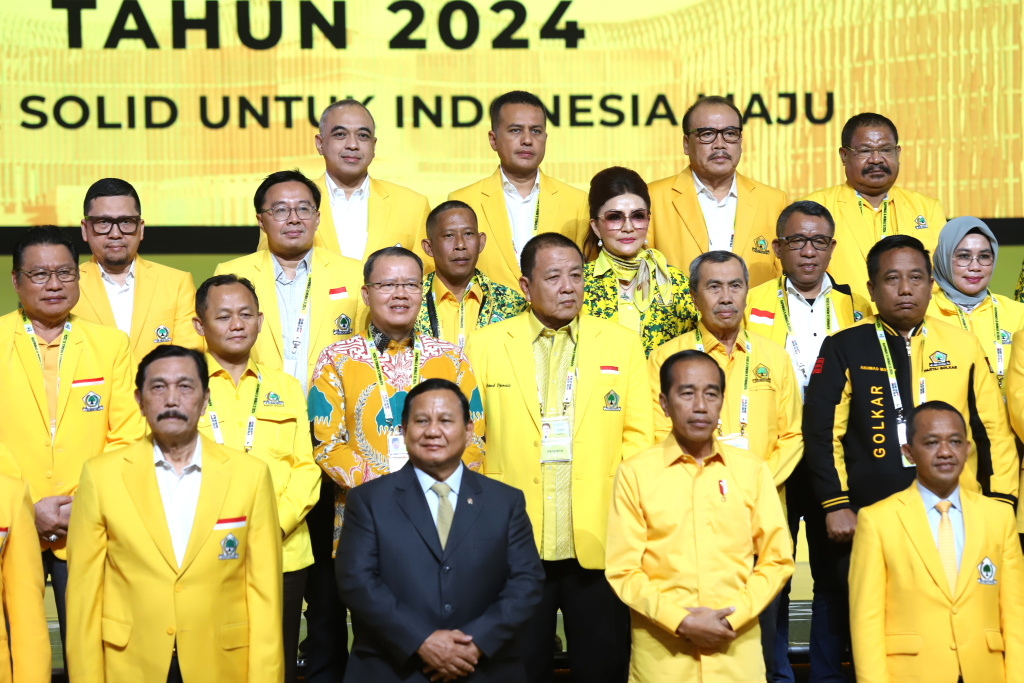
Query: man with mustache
(709, 206)
(518, 201)
(869, 206)
(866, 380)
(175, 548)
(566, 400)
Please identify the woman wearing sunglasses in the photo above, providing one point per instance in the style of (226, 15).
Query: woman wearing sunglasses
(628, 281)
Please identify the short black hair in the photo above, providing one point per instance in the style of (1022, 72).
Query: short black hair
(544, 240)
(665, 374)
(717, 256)
(710, 99)
(445, 207)
(805, 208)
(436, 384)
(347, 102)
(513, 97)
(867, 120)
(173, 351)
(203, 293)
(896, 242)
(402, 252)
(110, 187)
(930, 405)
(293, 176)
(41, 235)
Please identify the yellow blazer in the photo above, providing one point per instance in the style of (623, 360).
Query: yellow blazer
(128, 602)
(94, 352)
(563, 209)
(164, 298)
(679, 232)
(21, 580)
(904, 623)
(394, 215)
(329, 318)
(613, 419)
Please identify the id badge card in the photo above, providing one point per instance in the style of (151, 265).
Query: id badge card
(901, 432)
(397, 455)
(735, 440)
(555, 439)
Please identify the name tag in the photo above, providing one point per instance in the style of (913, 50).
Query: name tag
(397, 454)
(555, 439)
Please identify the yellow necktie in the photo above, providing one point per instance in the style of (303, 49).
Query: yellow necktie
(445, 512)
(947, 549)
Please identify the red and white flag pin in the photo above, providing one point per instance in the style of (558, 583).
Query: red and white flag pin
(86, 382)
(338, 293)
(759, 317)
(609, 369)
(229, 523)
(723, 487)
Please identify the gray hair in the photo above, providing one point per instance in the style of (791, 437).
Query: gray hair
(719, 256)
(338, 104)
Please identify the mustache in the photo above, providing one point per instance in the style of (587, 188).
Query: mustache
(171, 414)
(728, 307)
(720, 155)
(871, 168)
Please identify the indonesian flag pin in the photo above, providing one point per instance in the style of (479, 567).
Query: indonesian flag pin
(723, 487)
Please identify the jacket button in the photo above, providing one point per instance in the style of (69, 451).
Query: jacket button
(49, 474)
(178, 588)
(447, 568)
(952, 646)
(170, 630)
(954, 610)
(536, 444)
(448, 607)
(536, 480)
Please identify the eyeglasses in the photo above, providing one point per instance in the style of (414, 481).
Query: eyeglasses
(390, 287)
(638, 218)
(867, 152)
(964, 258)
(798, 242)
(41, 277)
(708, 135)
(102, 225)
(280, 213)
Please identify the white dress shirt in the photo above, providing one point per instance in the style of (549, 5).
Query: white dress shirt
(180, 495)
(522, 212)
(426, 481)
(956, 518)
(350, 217)
(808, 320)
(290, 294)
(121, 297)
(719, 216)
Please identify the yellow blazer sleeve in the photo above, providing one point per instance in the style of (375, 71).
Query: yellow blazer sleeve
(263, 587)
(332, 453)
(1011, 602)
(420, 234)
(87, 556)
(624, 551)
(473, 456)
(936, 217)
(582, 224)
(638, 422)
(774, 552)
(1005, 464)
(23, 595)
(1015, 385)
(303, 488)
(184, 333)
(662, 424)
(789, 447)
(125, 424)
(867, 601)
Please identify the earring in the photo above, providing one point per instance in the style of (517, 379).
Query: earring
(600, 243)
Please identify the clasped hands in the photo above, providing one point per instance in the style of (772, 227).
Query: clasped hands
(448, 655)
(707, 628)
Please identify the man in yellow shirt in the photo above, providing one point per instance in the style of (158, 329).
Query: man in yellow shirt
(458, 297)
(518, 201)
(262, 411)
(67, 388)
(709, 206)
(697, 540)
(149, 302)
(869, 205)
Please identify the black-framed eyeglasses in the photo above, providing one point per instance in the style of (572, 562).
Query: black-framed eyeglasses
(964, 259)
(798, 242)
(863, 153)
(708, 135)
(102, 225)
(280, 213)
(390, 287)
(41, 277)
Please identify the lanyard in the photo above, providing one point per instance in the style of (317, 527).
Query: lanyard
(250, 428)
(894, 389)
(885, 214)
(790, 337)
(297, 339)
(30, 331)
(744, 402)
(462, 315)
(570, 385)
(389, 416)
(1000, 368)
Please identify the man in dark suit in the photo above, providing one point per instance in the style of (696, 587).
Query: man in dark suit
(437, 563)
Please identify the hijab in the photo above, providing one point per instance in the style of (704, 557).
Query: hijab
(942, 260)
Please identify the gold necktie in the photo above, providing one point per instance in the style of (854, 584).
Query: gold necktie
(947, 549)
(444, 511)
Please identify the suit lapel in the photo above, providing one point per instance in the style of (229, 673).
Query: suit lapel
(92, 286)
(213, 488)
(33, 372)
(410, 499)
(746, 212)
(548, 198)
(266, 290)
(849, 215)
(688, 208)
(499, 229)
(588, 366)
(66, 374)
(140, 481)
(326, 233)
(466, 512)
(914, 519)
(320, 302)
(519, 347)
(974, 534)
(145, 289)
(378, 210)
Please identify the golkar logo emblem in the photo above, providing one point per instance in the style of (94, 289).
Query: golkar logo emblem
(1004, 336)
(920, 223)
(92, 402)
(611, 401)
(273, 399)
(987, 570)
(762, 373)
(938, 360)
(342, 325)
(228, 548)
(760, 245)
(162, 335)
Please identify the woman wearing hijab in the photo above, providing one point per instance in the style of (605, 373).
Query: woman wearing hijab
(963, 263)
(628, 281)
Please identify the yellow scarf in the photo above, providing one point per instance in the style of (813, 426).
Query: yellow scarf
(646, 266)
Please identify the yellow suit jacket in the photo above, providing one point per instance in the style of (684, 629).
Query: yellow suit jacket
(905, 624)
(679, 232)
(613, 418)
(164, 304)
(394, 215)
(128, 602)
(27, 656)
(97, 364)
(563, 209)
(333, 312)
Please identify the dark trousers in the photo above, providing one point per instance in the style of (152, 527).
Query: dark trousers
(596, 627)
(57, 571)
(326, 643)
(294, 588)
(768, 621)
(830, 608)
(174, 673)
(797, 501)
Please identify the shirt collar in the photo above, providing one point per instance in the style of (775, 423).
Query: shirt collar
(215, 367)
(858, 195)
(930, 499)
(382, 341)
(454, 480)
(196, 464)
(511, 190)
(537, 327)
(702, 189)
(336, 192)
(826, 287)
(303, 266)
(892, 331)
(106, 277)
(673, 452)
(440, 291)
(711, 341)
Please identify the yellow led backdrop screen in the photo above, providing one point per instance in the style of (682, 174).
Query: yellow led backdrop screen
(193, 102)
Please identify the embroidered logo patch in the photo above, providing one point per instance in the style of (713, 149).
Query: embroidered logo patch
(762, 373)
(342, 325)
(987, 572)
(92, 402)
(228, 548)
(273, 399)
(920, 223)
(163, 334)
(819, 365)
(938, 360)
(857, 316)
(1004, 337)
(760, 245)
(611, 402)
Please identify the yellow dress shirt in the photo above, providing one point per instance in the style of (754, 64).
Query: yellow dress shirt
(51, 358)
(281, 439)
(448, 310)
(683, 535)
